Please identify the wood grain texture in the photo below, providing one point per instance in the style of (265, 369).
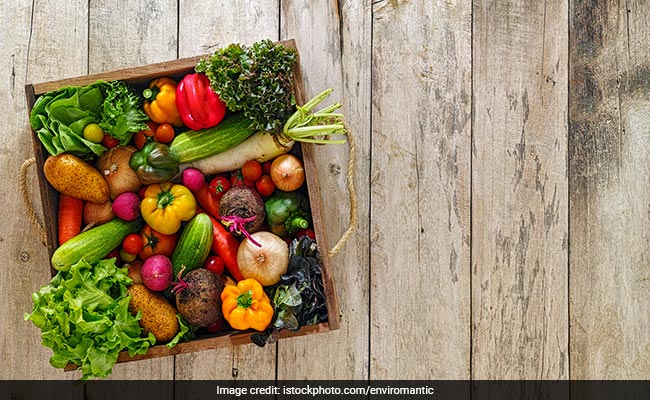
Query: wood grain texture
(229, 22)
(122, 35)
(420, 190)
(131, 33)
(28, 55)
(519, 191)
(609, 165)
(341, 354)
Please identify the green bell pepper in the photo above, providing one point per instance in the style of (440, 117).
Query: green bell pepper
(155, 163)
(287, 212)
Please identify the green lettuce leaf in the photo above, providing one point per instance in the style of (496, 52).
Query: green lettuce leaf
(84, 318)
(122, 113)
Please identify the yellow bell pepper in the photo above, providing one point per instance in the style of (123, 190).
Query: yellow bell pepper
(166, 205)
(246, 306)
(160, 102)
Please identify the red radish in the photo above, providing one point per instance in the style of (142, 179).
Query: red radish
(127, 206)
(157, 272)
(193, 179)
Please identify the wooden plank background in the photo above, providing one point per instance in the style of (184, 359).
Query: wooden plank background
(502, 179)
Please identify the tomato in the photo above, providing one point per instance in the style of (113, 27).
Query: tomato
(236, 179)
(265, 186)
(306, 232)
(144, 136)
(141, 191)
(154, 242)
(93, 133)
(266, 168)
(218, 186)
(214, 264)
(127, 257)
(132, 244)
(251, 170)
(165, 133)
(115, 253)
(216, 326)
(109, 141)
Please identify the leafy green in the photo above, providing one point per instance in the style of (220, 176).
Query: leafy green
(84, 318)
(187, 332)
(59, 117)
(299, 297)
(257, 80)
(122, 113)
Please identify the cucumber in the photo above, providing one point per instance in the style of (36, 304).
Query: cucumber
(194, 244)
(93, 244)
(196, 145)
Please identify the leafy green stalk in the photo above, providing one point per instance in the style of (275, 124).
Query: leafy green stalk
(311, 127)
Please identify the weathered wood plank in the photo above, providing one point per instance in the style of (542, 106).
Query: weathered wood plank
(609, 165)
(329, 36)
(420, 190)
(519, 190)
(45, 42)
(122, 35)
(230, 22)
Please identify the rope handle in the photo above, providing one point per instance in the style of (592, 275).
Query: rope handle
(339, 245)
(351, 194)
(28, 204)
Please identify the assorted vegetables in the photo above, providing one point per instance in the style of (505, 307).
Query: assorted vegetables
(198, 191)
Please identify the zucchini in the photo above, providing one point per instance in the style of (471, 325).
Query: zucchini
(196, 145)
(93, 244)
(194, 244)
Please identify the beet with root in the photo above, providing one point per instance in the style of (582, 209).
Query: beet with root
(242, 210)
(198, 297)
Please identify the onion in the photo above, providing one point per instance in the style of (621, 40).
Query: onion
(97, 213)
(287, 172)
(265, 263)
(114, 166)
(135, 271)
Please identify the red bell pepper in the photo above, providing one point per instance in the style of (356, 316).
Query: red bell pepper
(198, 105)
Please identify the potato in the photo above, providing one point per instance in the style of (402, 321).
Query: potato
(73, 176)
(158, 315)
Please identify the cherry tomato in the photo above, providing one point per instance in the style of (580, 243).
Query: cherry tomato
(214, 264)
(306, 232)
(236, 179)
(141, 191)
(251, 170)
(216, 326)
(93, 133)
(165, 133)
(115, 253)
(265, 186)
(154, 242)
(127, 257)
(144, 136)
(109, 141)
(132, 244)
(266, 168)
(218, 186)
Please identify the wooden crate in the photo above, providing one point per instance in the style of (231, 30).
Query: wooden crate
(139, 77)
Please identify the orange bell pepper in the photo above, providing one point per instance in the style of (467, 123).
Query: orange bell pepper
(246, 306)
(160, 102)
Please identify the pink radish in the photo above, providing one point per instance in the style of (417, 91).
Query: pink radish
(127, 206)
(193, 179)
(157, 272)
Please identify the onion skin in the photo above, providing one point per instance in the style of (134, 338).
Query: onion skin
(114, 167)
(97, 213)
(267, 263)
(287, 172)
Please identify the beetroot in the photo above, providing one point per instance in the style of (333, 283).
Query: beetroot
(242, 210)
(157, 272)
(198, 297)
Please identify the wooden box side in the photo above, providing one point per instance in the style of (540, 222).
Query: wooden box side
(139, 77)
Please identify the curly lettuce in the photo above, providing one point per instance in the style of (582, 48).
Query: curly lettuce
(122, 113)
(84, 317)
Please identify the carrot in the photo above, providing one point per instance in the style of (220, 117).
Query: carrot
(225, 246)
(69, 217)
(207, 201)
